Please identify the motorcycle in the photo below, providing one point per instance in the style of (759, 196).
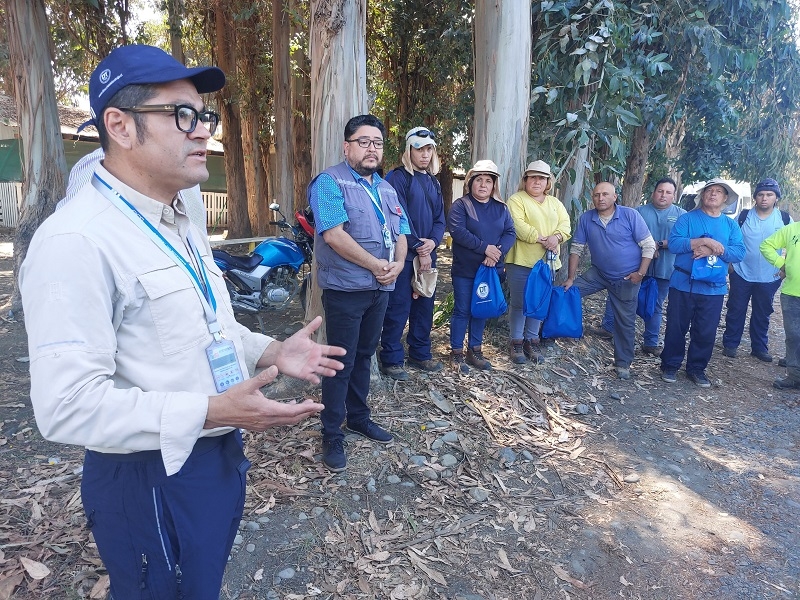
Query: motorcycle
(276, 272)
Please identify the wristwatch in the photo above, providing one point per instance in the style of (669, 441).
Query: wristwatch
(660, 244)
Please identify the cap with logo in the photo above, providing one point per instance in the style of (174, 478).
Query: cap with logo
(140, 64)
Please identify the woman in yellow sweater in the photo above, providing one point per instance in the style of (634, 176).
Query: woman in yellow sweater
(542, 224)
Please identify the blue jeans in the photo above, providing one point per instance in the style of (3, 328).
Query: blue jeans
(419, 314)
(354, 321)
(623, 296)
(652, 326)
(462, 319)
(760, 296)
(790, 306)
(697, 314)
(520, 326)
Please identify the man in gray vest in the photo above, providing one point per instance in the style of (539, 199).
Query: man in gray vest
(360, 247)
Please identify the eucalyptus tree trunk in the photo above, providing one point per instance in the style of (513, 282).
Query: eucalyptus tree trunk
(44, 169)
(224, 32)
(635, 176)
(301, 112)
(502, 87)
(337, 38)
(282, 81)
(175, 12)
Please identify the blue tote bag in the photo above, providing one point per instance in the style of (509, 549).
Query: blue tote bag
(565, 318)
(488, 300)
(538, 289)
(648, 298)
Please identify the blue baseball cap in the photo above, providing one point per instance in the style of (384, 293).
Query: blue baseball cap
(140, 64)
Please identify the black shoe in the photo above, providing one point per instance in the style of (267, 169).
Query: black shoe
(369, 429)
(699, 378)
(396, 372)
(653, 350)
(670, 376)
(333, 455)
(781, 362)
(787, 383)
(762, 356)
(729, 352)
(600, 332)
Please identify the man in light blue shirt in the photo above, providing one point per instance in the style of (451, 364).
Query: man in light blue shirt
(754, 281)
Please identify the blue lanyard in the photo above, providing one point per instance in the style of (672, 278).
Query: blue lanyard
(376, 204)
(203, 287)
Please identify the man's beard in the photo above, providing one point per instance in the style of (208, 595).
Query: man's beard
(364, 171)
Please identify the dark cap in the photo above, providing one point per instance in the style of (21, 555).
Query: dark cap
(139, 64)
(768, 185)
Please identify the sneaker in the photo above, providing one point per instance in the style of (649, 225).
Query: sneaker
(430, 365)
(730, 352)
(654, 350)
(515, 353)
(457, 361)
(781, 362)
(396, 372)
(371, 430)
(762, 356)
(669, 375)
(333, 455)
(699, 378)
(476, 359)
(530, 348)
(623, 373)
(601, 332)
(787, 383)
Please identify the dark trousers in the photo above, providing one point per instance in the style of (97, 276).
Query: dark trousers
(166, 537)
(418, 313)
(652, 326)
(353, 321)
(790, 306)
(623, 296)
(760, 296)
(462, 320)
(697, 314)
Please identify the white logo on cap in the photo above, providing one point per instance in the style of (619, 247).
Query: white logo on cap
(105, 75)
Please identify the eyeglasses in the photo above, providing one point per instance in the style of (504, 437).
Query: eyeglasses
(364, 142)
(186, 117)
(423, 133)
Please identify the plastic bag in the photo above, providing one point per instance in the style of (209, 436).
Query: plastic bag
(565, 318)
(488, 300)
(538, 289)
(648, 298)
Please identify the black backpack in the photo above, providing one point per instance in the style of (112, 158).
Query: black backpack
(743, 215)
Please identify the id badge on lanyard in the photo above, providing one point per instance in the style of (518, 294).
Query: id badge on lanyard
(224, 364)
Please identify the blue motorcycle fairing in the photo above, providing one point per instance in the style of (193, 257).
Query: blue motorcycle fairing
(280, 251)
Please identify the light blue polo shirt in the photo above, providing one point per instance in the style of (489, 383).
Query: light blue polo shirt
(614, 247)
(755, 268)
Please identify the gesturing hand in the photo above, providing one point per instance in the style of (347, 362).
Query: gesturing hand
(243, 405)
(301, 357)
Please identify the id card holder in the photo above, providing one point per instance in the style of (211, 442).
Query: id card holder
(224, 364)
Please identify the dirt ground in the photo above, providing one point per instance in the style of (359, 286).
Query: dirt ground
(532, 482)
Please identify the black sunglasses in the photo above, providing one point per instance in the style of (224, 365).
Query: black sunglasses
(186, 117)
(423, 133)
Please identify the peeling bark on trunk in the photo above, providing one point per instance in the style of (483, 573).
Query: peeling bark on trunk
(282, 81)
(44, 169)
(502, 87)
(337, 41)
(635, 176)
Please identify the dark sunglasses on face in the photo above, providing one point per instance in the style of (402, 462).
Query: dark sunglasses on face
(186, 117)
(423, 133)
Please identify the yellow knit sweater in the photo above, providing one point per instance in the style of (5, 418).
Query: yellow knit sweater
(532, 220)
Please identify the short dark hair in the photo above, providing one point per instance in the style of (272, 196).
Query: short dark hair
(669, 180)
(361, 120)
(130, 95)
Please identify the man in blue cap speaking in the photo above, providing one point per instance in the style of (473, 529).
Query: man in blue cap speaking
(134, 350)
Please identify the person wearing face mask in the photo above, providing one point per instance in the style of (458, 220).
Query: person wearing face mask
(754, 281)
(482, 232)
(420, 195)
(541, 223)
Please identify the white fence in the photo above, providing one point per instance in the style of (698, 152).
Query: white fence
(11, 198)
